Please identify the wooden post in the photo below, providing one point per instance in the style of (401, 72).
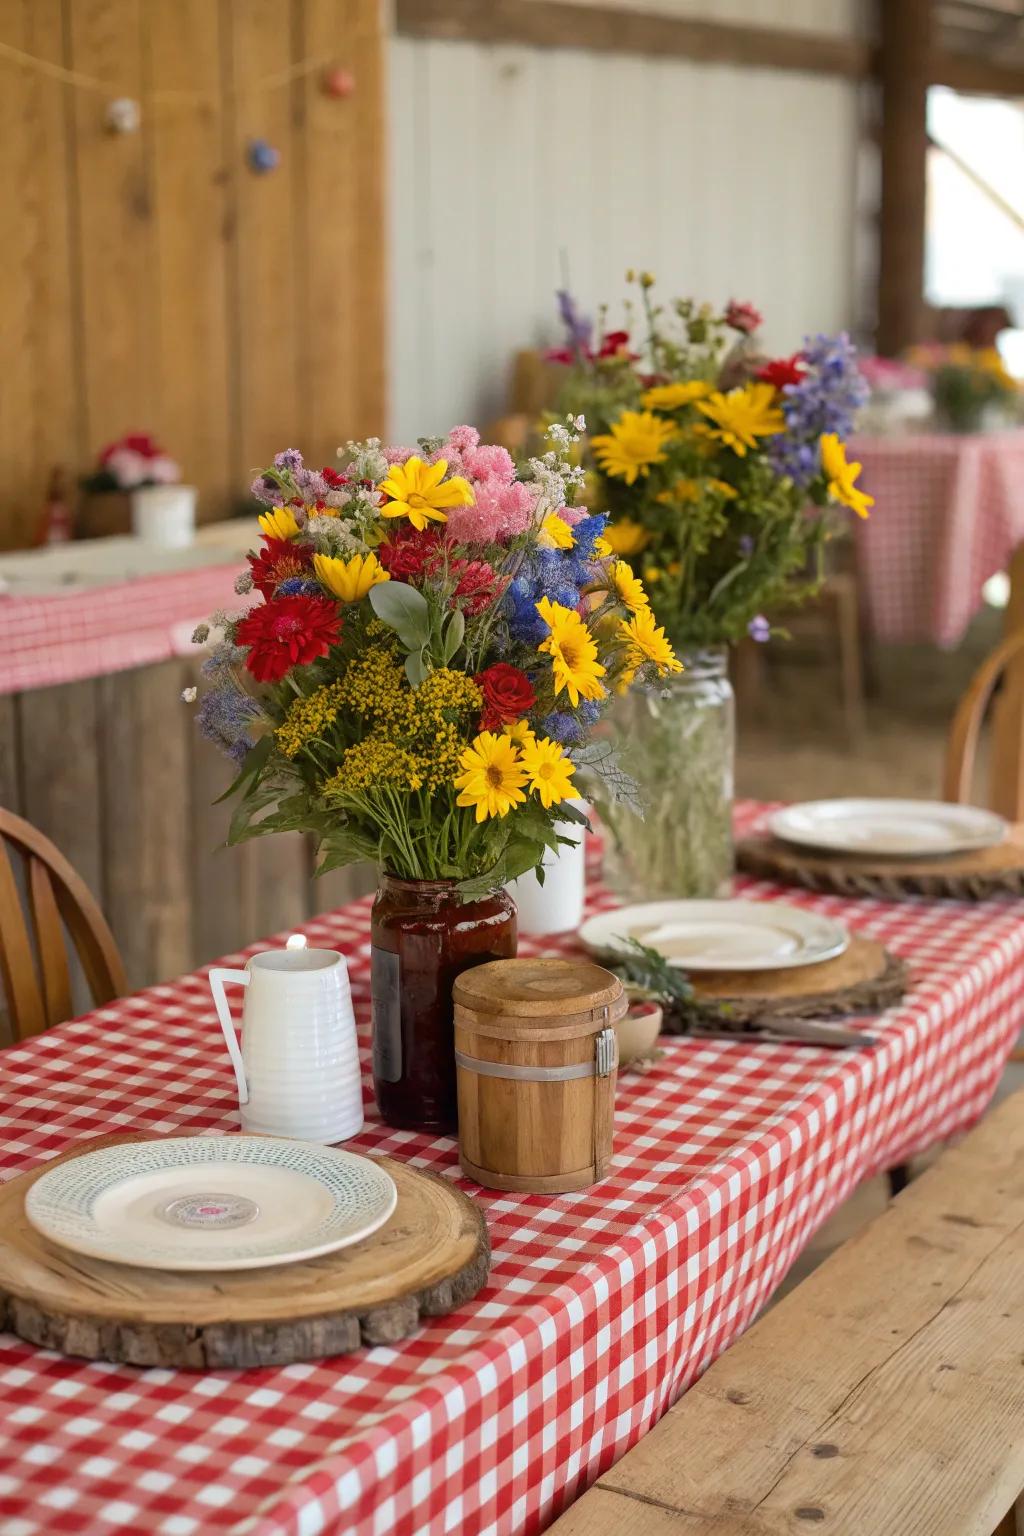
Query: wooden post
(906, 28)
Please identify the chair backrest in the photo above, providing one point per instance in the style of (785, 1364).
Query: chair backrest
(34, 964)
(962, 741)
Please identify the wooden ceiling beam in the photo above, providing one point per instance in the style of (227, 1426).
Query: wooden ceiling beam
(609, 29)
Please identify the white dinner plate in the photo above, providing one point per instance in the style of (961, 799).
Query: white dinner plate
(720, 935)
(888, 828)
(211, 1202)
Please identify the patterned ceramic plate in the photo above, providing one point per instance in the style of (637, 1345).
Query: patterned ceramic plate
(720, 935)
(211, 1202)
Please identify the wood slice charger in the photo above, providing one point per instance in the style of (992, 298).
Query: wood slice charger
(971, 876)
(430, 1257)
(865, 978)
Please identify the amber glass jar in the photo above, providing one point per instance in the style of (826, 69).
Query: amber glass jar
(422, 937)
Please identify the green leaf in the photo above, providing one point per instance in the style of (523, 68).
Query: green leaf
(255, 761)
(403, 609)
(454, 634)
(415, 668)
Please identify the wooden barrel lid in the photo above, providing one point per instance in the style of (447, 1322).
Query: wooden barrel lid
(544, 991)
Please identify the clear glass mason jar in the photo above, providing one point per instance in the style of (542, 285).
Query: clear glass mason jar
(678, 741)
(422, 936)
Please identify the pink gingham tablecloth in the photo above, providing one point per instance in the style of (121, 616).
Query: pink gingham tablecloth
(601, 1308)
(948, 514)
(63, 637)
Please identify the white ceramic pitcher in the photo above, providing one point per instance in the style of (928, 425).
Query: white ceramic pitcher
(298, 1067)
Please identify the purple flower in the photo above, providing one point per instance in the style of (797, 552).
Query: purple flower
(264, 490)
(826, 399)
(746, 545)
(291, 459)
(579, 327)
(224, 717)
(759, 629)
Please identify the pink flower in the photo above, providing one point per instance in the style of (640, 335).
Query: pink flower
(500, 511)
(128, 467)
(164, 471)
(398, 455)
(742, 317)
(573, 515)
(489, 460)
(463, 439)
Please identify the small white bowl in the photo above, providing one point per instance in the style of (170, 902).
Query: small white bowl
(638, 1031)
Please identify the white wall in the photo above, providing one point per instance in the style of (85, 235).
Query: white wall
(724, 182)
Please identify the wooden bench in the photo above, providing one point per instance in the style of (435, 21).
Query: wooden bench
(882, 1397)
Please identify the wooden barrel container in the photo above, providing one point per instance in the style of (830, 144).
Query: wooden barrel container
(536, 1058)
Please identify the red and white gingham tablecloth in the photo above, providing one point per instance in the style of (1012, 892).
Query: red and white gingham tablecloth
(602, 1306)
(89, 632)
(948, 514)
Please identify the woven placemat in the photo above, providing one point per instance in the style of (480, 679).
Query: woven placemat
(865, 978)
(973, 876)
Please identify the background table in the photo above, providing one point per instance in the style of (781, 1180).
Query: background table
(948, 514)
(601, 1308)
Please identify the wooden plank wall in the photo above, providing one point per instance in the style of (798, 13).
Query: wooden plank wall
(153, 281)
(114, 771)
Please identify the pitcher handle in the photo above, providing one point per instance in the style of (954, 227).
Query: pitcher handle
(220, 977)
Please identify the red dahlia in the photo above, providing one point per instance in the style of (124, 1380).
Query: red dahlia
(287, 632)
(783, 370)
(277, 560)
(508, 695)
(409, 552)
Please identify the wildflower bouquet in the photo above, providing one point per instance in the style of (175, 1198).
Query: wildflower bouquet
(707, 455)
(968, 384)
(432, 640)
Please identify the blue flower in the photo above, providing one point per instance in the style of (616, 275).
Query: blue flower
(826, 399)
(759, 629)
(569, 729)
(224, 717)
(579, 326)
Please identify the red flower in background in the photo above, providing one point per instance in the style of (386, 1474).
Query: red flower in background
(508, 695)
(334, 480)
(477, 585)
(782, 371)
(409, 552)
(138, 442)
(743, 317)
(288, 632)
(614, 343)
(276, 561)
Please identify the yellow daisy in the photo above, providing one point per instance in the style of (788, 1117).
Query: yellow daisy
(628, 587)
(680, 492)
(672, 397)
(278, 523)
(349, 579)
(646, 642)
(573, 653)
(636, 441)
(724, 489)
(626, 537)
(492, 776)
(550, 771)
(842, 476)
(521, 733)
(555, 533)
(602, 548)
(742, 416)
(416, 491)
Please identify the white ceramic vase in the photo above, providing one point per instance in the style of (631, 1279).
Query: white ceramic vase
(164, 515)
(298, 1067)
(557, 905)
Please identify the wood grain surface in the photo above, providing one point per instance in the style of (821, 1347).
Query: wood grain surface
(866, 977)
(972, 876)
(429, 1258)
(882, 1397)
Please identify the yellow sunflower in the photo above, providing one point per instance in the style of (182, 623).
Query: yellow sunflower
(646, 642)
(349, 579)
(555, 533)
(636, 441)
(626, 537)
(672, 397)
(602, 548)
(415, 491)
(550, 771)
(842, 476)
(521, 733)
(278, 523)
(573, 653)
(742, 416)
(627, 586)
(492, 776)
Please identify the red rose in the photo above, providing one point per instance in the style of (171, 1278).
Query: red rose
(508, 695)
(288, 632)
(742, 317)
(334, 480)
(276, 561)
(782, 371)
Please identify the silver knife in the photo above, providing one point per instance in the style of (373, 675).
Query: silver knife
(794, 1031)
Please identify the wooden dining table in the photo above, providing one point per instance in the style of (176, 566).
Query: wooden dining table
(602, 1307)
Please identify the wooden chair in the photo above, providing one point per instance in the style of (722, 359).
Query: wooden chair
(34, 967)
(962, 743)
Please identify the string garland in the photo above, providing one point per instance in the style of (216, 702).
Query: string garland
(85, 82)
